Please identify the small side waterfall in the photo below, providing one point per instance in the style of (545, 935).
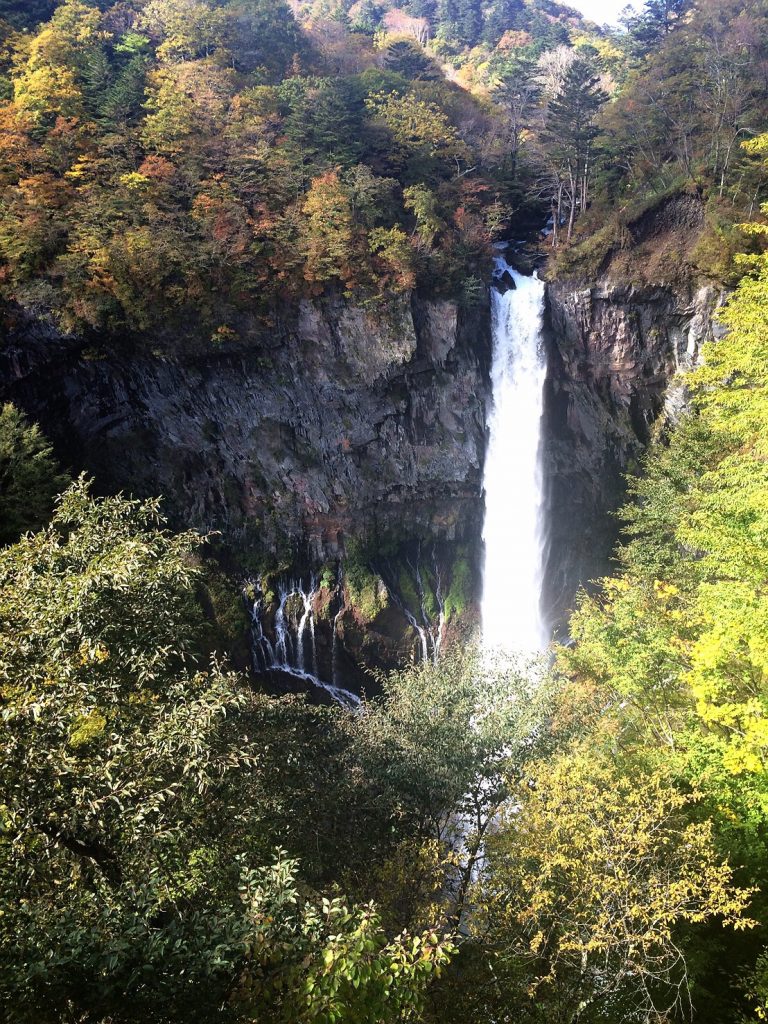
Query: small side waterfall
(429, 627)
(294, 651)
(513, 531)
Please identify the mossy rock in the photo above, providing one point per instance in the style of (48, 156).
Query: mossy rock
(459, 595)
(366, 592)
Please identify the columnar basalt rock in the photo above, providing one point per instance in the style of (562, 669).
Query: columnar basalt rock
(615, 350)
(345, 428)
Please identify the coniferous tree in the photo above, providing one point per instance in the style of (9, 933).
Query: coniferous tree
(323, 127)
(657, 19)
(518, 93)
(422, 8)
(569, 137)
(123, 100)
(408, 59)
(265, 35)
(96, 76)
(501, 17)
(367, 17)
(470, 21)
(29, 476)
(461, 20)
(26, 13)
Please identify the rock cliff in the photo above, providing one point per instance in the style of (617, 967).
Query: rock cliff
(615, 349)
(346, 434)
(339, 423)
(352, 440)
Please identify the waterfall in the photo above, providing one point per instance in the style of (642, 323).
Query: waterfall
(294, 624)
(335, 645)
(336, 620)
(513, 531)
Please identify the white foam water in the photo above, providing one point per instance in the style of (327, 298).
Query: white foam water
(513, 532)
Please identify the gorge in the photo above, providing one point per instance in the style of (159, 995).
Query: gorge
(383, 512)
(357, 442)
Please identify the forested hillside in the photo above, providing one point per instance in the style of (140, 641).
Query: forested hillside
(191, 161)
(477, 837)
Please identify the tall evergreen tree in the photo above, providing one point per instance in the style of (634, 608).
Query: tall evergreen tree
(518, 93)
(470, 21)
(26, 13)
(657, 19)
(502, 16)
(324, 126)
(461, 20)
(570, 134)
(408, 59)
(367, 17)
(422, 9)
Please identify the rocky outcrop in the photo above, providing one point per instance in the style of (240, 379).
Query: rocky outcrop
(340, 423)
(614, 352)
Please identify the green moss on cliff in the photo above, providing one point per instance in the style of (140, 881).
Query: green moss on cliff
(408, 592)
(460, 591)
(365, 591)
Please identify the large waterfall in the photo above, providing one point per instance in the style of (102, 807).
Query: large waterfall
(513, 532)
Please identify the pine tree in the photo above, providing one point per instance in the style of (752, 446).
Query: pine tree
(408, 59)
(323, 127)
(367, 17)
(470, 21)
(96, 75)
(657, 19)
(422, 9)
(123, 101)
(518, 94)
(26, 13)
(501, 17)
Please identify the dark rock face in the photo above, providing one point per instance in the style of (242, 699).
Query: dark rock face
(340, 423)
(614, 349)
(343, 430)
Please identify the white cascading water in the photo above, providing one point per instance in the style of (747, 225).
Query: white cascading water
(294, 624)
(513, 531)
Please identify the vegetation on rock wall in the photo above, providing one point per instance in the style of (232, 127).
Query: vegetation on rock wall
(29, 476)
(671, 657)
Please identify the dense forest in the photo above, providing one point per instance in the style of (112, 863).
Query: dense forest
(576, 838)
(166, 163)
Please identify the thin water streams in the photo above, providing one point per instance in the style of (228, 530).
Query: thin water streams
(294, 652)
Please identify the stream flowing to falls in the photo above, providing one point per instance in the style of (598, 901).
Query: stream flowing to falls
(513, 531)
